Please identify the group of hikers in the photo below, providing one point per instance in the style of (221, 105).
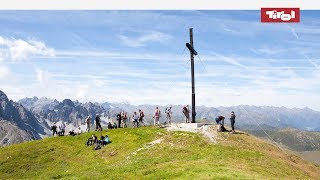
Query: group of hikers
(62, 129)
(97, 143)
(137, 120)
(220, 122)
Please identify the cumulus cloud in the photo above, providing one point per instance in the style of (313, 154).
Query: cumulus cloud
(144, 39)
(4, 72)
(18, 49)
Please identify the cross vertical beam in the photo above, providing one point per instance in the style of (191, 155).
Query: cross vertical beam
(192, 79)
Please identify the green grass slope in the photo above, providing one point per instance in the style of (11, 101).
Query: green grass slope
(180, 155)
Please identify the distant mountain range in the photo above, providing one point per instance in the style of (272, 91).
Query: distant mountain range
(31, 118)
(294, 139)
(247, 116)
(70, 112)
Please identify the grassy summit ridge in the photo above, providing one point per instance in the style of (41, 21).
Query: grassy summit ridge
(180, 155)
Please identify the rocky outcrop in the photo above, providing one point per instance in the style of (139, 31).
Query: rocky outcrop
(17, 123)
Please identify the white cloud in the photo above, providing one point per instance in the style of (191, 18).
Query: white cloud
(268, 51)
(82, 92)
(228, 59)
(43, 76)
(18, 49)
(144, 39)
(4, 72)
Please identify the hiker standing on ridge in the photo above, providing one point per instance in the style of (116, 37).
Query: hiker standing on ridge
(135, 118)
(141, 116)
(119, 119)
(156, 116)
(169, 114)
(232, 120)
(186, 112)
(98, 123)
(124, 119)
(88, 121)
(54, 129)
(62, 128)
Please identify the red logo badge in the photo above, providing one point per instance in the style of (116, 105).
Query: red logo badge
(280, 15)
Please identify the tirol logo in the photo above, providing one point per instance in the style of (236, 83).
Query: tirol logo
(280, 14)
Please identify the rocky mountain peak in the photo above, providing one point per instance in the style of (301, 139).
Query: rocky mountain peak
(68, 102)
(3, 97)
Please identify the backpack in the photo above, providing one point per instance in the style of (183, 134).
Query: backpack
(157, 113)
(142, 114)
(217, 120)
(184, 109)
(54, 127)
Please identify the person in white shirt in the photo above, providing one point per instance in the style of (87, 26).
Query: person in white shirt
(79, 131)
(169, 114)
(135, 118)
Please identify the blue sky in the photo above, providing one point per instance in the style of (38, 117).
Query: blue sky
(139, 57)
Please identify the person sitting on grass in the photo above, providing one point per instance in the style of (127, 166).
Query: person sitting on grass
(106, 140)
(110, 125)
(115, 125)
(89, 141)
(94, 139)
(72, 133)
(101, 140)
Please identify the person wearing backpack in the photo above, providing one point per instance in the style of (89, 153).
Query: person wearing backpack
(54, 129)
(106, 140)
(141, 116)
(169, 114)
(232, 120)
(185, 111)
(156, 116)
(124, 119)
(98, 123)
